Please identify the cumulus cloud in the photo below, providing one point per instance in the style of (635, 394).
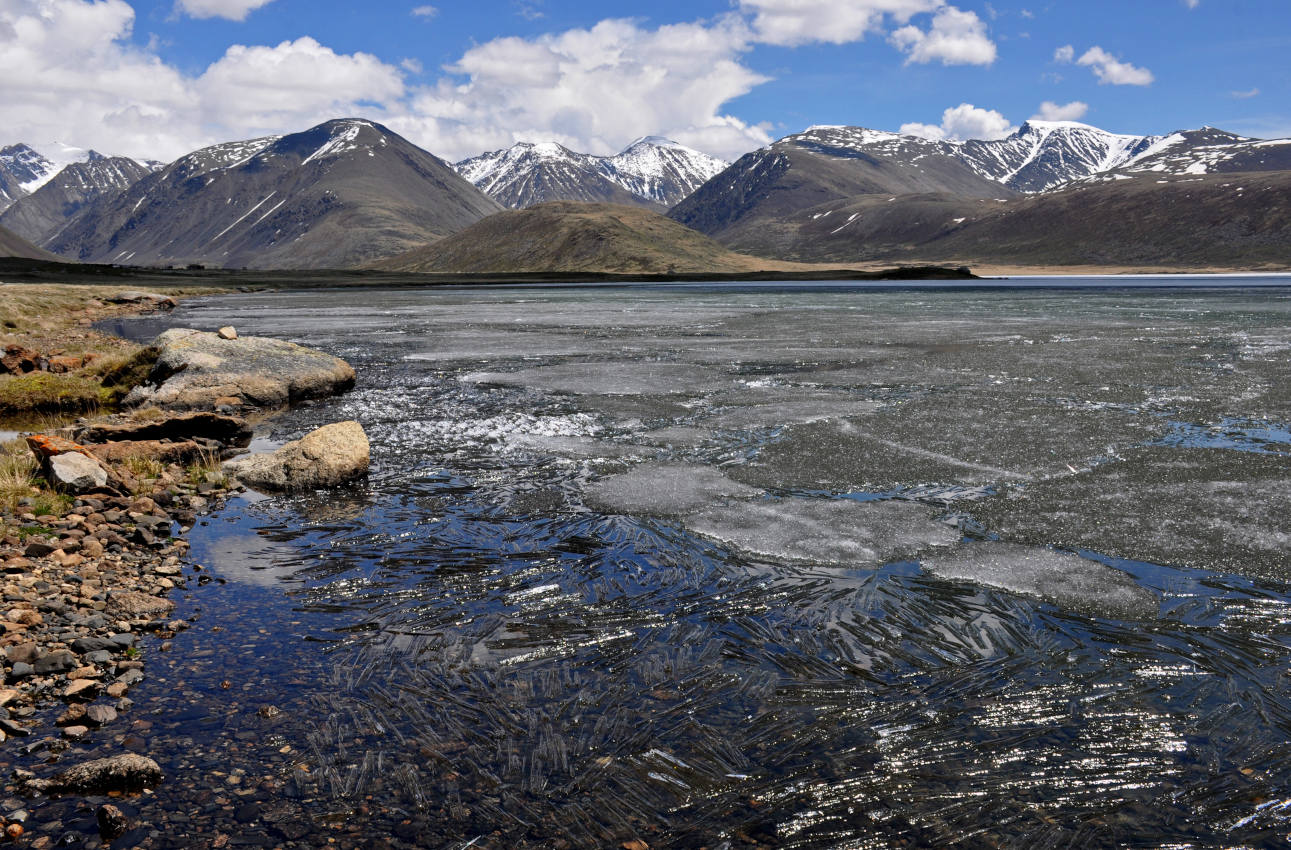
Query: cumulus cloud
(234, 10)
(1112, 71)
(293, 85)
(1246, 95)
(965, 121)
(592, 90)
(69, 72)
(796, 22)
(1050, 111)
(1065, 54)
(955, 38)
(426, 12)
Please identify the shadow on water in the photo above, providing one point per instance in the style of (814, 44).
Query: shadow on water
(461, 653)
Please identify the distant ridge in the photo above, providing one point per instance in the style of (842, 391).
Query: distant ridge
(566, 236)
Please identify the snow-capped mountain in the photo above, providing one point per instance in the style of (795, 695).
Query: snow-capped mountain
(661, 170)
(337, 195)
(38, 216)
(1044, 155)
(24, 169)
(1206, 151)
(650, 171)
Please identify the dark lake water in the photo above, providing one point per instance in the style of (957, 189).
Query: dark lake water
(648, 565)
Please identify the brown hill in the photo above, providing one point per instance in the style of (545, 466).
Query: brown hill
(566, 236)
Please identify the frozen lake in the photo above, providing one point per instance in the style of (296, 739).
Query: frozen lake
(753, 566)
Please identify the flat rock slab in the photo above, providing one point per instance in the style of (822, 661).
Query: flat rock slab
(195, 369)
(230, 430)
(670, 489)
(829, 532)
(1202, 508)
(1066, 580)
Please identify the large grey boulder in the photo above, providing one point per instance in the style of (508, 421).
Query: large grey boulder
(200, 371)
(326, 457)
(73, 472)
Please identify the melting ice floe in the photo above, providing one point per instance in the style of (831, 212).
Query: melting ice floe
(1066, 580)
(841, 532)
(665, 490)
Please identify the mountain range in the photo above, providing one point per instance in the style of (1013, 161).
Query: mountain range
(652, 172)
(351, 192)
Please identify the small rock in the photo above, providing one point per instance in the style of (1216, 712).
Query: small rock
(73, 716)
(112, 822)
(100, 715)
(57, 661)
(75, 732)
(81, 689)
(227, 332)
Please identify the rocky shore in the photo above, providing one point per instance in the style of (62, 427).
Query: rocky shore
(90, 558)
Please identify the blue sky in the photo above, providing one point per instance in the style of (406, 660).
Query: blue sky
(160, 77)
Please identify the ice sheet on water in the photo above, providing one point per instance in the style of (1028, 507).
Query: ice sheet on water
(835, 532)
(791, 413)
(1066, 580)
(677, 436)
(670, 489)
(602, 378)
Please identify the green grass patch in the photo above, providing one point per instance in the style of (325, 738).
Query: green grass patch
(46, 392)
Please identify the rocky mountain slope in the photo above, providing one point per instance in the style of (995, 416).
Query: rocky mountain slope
(338, 195)
(13, 245)
(567, 236)
(40, 215)
(1237, 220)
(746, 202)
(652, 171)
(848, 194)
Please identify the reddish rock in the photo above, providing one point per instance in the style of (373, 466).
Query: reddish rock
(45, 446)
(65, 363)
(19, 361)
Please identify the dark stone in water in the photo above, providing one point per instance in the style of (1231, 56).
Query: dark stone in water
(112, 822)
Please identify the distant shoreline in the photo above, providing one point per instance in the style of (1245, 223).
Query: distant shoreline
(17, 270)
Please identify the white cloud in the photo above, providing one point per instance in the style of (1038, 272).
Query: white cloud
(1112, 71)
(234, 10)
(1065, 54)
(592, 90)
(1050, 111)
(964, 122)
(1246, 95)
(68, 72)
(293, 86)
(796, 22)
(426, 12)
(955, 38)
(1192, 4)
